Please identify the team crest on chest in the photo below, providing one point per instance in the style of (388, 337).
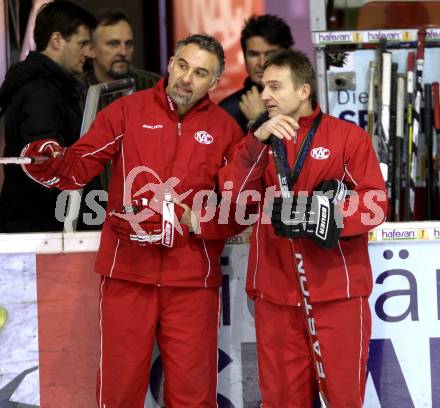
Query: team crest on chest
(203, 137)
(320, 153)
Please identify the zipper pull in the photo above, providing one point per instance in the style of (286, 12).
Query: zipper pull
(295, 136)
(179, 129)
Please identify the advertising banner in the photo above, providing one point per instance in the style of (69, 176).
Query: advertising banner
(49, 329)
(19, 351)
(404, 363)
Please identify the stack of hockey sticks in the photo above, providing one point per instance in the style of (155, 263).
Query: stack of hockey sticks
(403, 131)
(383, 99)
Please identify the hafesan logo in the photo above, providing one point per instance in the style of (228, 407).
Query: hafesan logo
(320, 153)
(203, 137)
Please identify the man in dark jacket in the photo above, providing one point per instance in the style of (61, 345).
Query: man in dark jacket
(112, 51)
(40, 98)
(261, 36)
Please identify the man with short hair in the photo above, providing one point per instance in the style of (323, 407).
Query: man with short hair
(112, 51)
(327, 155)
(261, 36)
(40, 98)
(160, 279)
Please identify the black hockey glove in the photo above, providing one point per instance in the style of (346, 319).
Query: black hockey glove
(316, 217)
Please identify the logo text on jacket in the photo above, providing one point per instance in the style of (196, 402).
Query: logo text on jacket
(153, 127)
(203, 137)
(320, 153)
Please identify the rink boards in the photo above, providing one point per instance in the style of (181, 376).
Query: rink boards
(49, 322)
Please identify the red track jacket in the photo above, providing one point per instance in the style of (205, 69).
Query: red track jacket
(144, 129)
(339, 150)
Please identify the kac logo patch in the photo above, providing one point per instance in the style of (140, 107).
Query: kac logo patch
(320, 153)
(203, 137)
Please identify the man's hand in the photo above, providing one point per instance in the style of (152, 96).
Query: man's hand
(281, 126)
(251, 104)
(188, 218)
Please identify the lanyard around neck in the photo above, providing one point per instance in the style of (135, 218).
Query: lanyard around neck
(302, 155)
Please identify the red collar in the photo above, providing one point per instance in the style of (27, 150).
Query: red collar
(306, 121)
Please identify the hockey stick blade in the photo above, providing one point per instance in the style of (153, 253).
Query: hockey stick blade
(23, 160)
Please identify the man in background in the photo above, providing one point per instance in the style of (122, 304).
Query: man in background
(261, 37)
(112, 51)
(40, 98)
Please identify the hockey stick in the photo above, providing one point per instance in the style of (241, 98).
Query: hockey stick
(23, 160)
(409, 133)
(378, 97)
(371, 97)
(391, 162)
(400, 121)
(428, 137)
(417, 119)
(436, 144)
(312, 333)
(384, 125)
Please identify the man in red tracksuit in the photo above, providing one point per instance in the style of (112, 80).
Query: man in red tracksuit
(167, 145)
(337, 265)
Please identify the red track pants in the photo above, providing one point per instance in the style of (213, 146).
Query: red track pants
(185, 323)
(286, 373)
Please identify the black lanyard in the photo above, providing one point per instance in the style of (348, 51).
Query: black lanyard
(302, 155)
